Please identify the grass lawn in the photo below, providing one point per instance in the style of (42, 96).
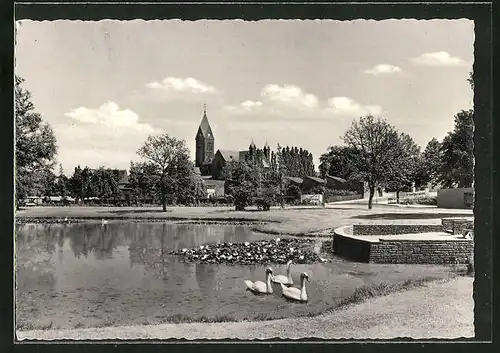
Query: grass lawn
(291, 220)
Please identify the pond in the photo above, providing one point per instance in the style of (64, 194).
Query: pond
(90, 275)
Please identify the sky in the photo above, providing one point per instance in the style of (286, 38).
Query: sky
(105, 86)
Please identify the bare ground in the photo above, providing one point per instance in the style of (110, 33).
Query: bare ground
(443, 309)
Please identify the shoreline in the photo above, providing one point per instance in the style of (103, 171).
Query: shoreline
(404, 313)
(289, 221)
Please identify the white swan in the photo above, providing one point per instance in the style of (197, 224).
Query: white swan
(287, 280)
(259, 287)
(296, 294)
(103, 221)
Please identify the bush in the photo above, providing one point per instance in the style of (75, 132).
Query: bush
(332, 195)
(266, 197)
(431, 201)
(293, 193)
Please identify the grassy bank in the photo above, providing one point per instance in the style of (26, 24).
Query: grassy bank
(292, 221)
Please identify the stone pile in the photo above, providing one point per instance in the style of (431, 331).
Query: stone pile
(276, 251)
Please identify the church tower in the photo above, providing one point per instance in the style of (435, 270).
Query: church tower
(204, 145)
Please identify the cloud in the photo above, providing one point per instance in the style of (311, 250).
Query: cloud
(247, 106)
(344, 106)
(289, 95)
(441, 58)
(383, 69)
(111, 117)
(185, 85)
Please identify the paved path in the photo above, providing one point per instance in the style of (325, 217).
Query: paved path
(438, 310)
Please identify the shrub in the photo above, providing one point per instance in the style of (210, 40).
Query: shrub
(266, 197)
(431, 201)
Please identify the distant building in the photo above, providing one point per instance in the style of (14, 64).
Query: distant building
(204, 146)
(210, 165)
(337, 183)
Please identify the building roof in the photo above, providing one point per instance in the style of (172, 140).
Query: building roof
(318, 180)
(215, 183)
(230, 155)
(205, 128)
(340, 180)
(124, 179)
(294, 179)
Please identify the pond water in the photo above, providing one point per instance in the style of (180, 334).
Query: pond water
(87, 274)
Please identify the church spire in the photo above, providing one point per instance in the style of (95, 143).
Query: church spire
(204, 110)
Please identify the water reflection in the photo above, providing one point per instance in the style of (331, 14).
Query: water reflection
(123, 272)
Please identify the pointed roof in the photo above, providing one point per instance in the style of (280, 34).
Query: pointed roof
(252, 144)
(266, 145)
(205, 128)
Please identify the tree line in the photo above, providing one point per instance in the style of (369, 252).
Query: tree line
(374, 152)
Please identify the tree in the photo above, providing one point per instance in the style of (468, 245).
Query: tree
(429, 164)
(457, 153)
(35, 145)
(337, 162)
(104, 184)
(62, 183)
(403, 170)
(185, 186)
(375, 143)
(143, 182)
(471, 80)
(298, 161)
(165, 155)
(76, 184)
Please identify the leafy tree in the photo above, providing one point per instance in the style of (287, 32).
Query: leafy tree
(245, 179)
(337, 162)
(403, 169)
(166, 156)
(89, 189)
(47, 183)
(184, 186)
(62, 183)
(376, 146)
(76, 184)
(35, 146)
(104, 184)
(457, 153)
(471, 80)
(297, 161)
(143, 181)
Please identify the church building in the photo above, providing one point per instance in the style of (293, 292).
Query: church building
(210, 164)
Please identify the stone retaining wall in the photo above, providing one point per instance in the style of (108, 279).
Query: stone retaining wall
(421, 251)
(401, 251)
(458, 225)
(351, 248)
(389, 229)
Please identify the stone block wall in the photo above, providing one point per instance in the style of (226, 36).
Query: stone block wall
(388, 229)
(421, 251)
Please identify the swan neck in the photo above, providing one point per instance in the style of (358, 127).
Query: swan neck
(268, 281)
(302, 285)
